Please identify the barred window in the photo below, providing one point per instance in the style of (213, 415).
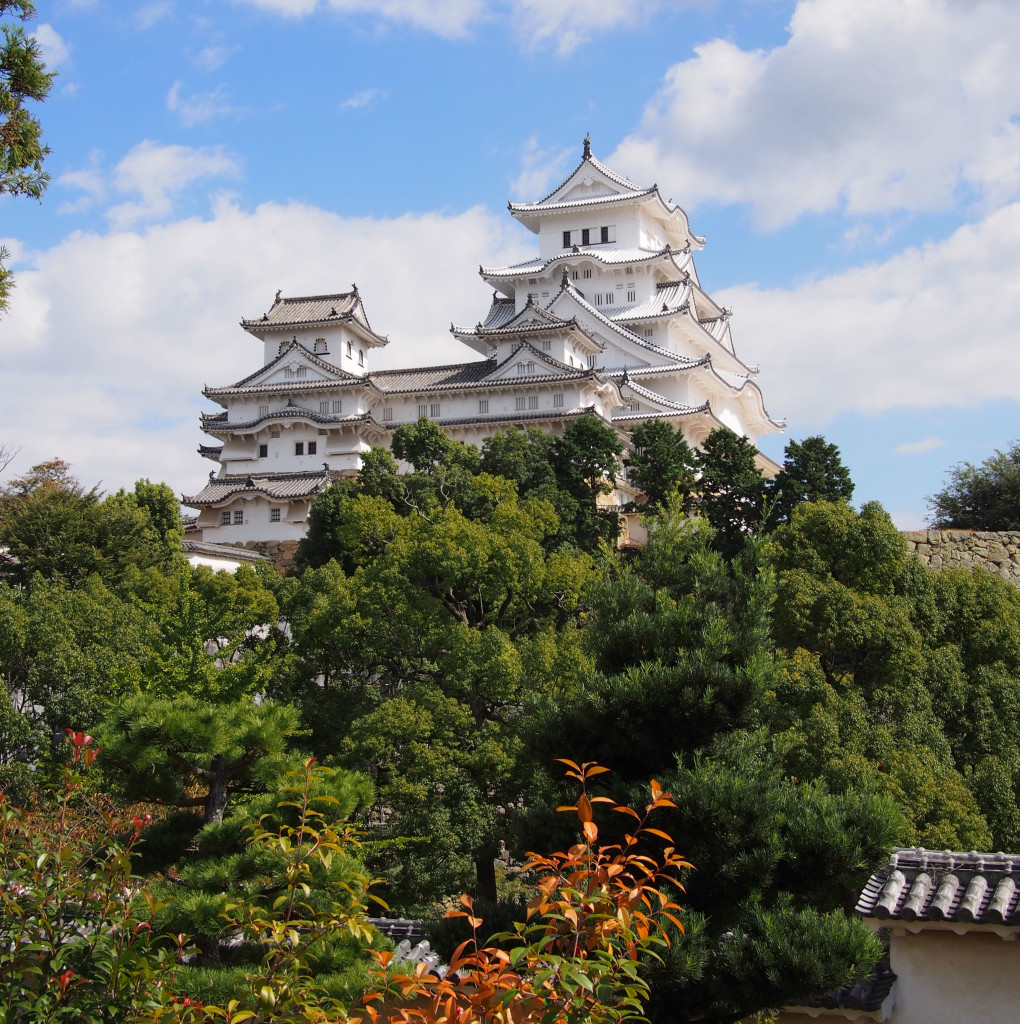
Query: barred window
(263, 410)
(387, 414)
(434, 411)
(313, 447)
(557, 401)
(239, 518)
(520, 404)
(274, 515)
(224, 518)
(483, 405)
(299, 447)
(337, 406)
(533, 402)
(324, 408)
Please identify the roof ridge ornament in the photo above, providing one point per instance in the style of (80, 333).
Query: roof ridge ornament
(587, 147)
(279, 292)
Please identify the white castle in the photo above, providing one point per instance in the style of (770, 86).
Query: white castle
(609, 319)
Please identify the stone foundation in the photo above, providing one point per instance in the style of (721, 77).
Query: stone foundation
(963, 549)
(279, 552)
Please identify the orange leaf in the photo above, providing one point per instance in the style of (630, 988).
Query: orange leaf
(658, 832)
(596, 770)
(591, 831)
(584, 808)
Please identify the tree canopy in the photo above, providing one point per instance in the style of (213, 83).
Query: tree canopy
(23, 79)
(985, 497)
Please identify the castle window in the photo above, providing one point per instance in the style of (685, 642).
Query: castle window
(530, 368)
(573, 275)
(323, 433)
(288, 373)
(566, 239)
(387, 414)
(546, 344)
(302, 371)
(348, 350)
(337, 406)
(423, 410)
(434, 411)
(629, 270)
(361, 357)
(587, 273)
(239, 518)
(591, 361)
(533, 402)
(280, 348)
(224, 518)
(609, 298)
(483, 405)
(632, 296)
(520, 404)
(299, 447)
(598, 298)
(263, 410)
(274, 431)
(324, 408)
(313, 447)
(532, 280)
(274, 515)
(557, 401)
(585, 236)
(320, 347)
(634, 406)
(263, 451)
(603, 235)
(649, 332)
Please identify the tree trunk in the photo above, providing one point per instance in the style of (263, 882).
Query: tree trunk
(217, 802)
(485, 872)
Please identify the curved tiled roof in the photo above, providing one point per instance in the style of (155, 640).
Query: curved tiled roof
(275, 486)
(210, 451)
(654, 396)
(520, 417)
(204, 547)
(308, 309)
(603, 200)
(601, 252)
(218, 423)
(919, 885)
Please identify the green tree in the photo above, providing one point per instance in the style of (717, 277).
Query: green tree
(985, 497)
(661, 464)
(159, 749)
(586, 461)
(867, 694)
(681, 640)
(418, 656)
(53, 527)
(812, 471)
(732, 489)
(23, 78)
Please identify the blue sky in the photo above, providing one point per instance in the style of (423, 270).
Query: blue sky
(854, 165)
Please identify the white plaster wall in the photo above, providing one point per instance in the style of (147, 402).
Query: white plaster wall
(944, 978)
(256, 525)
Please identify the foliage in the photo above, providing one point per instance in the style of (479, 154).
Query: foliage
(596, 914)
(76, 940)
(812, 471)
(732, 488)
(662, 465)
(51, 526)
(161, 749)
(882, 674)
(985, 497)
(419, 657)
(23, 78)
(681, 641)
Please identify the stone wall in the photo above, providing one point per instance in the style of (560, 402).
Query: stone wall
(279, 552)
(963, 549)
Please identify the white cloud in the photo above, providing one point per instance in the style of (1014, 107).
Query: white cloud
(52, 46)
(210, 58)
(566, 24)
(929, 444)
(89, 180)
(869, 106)
(362, 98)
(540, 169)
(931, 326)
(198, 107)
(448, 18)
(120, 331)
(152, 13)
(158, 173)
